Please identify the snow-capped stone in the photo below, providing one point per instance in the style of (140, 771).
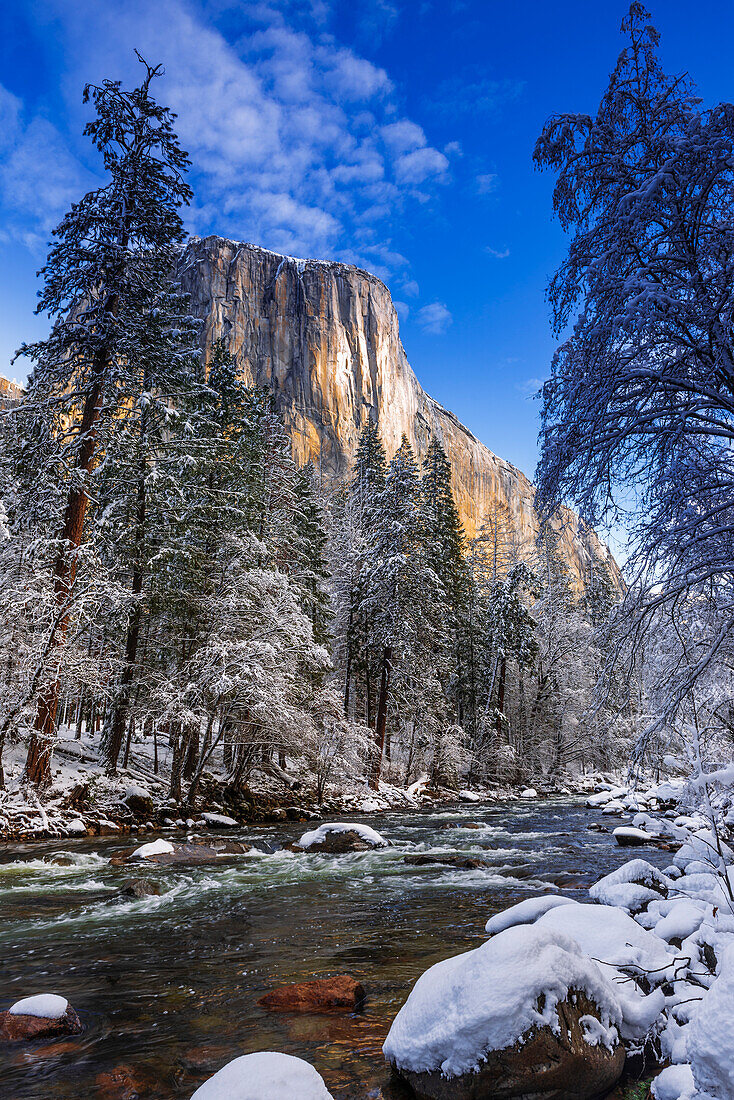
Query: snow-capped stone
(264, 1076)
(525, 912)
(154, 848)
(39, 1017)
(76, 828)
(627, 836)
(49, 1006)
(633, 886)
(682, 919)
(342, 837)
(529, 792)
(465, 1010)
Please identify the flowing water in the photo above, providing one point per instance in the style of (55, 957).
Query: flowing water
(167, 986)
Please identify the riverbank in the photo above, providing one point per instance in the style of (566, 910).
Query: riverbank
(84, 801)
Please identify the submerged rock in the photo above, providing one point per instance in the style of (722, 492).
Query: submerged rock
(319, 995)
(140, 888)
(466, 863)
(40, 1017)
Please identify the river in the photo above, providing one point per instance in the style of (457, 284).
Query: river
(167, 986)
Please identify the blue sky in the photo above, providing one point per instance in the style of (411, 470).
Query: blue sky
(396, 134)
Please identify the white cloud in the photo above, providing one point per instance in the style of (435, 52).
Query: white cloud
(434, 318)
(499, 254)
(402, 309)
(487, 183)
(296, 140)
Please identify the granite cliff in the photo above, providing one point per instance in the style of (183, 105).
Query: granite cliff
(323, 336)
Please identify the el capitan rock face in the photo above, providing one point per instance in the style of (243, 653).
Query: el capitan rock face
(324, 337)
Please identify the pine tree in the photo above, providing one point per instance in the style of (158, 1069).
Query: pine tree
(112, 259)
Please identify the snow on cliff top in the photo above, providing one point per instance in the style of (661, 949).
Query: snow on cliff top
(486, 999)
(264, 1076)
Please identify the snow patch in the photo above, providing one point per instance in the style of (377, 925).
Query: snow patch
(525, 912)
(315, 836)
(47, 1006)
(154, 848)
(264, 1076)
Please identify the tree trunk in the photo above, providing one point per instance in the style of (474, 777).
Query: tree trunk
(501, 696)
(121, 704)
(40, 747)
(381, 717)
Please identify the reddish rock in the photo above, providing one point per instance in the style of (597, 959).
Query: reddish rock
(22, 1029)
(465, 863)
(122, 1083)
(320, 995)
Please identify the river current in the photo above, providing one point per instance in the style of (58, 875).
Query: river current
(167, 986)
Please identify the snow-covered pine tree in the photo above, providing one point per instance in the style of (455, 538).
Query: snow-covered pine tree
(360, 515)
(395, 583)
(113, 255)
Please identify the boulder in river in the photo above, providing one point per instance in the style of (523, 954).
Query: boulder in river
(41, 1017)
(337, 838)
(526, 1014)
(140, 888)
(319, 995)
(166, 854)
(464, 863)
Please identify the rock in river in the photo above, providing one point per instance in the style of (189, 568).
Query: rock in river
(527, 1014)
(319, 995)
(266, 1075)
(164, 853)
(41, 1017)
(339, 837)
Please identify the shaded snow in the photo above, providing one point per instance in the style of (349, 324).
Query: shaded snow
(266, 1075)
(525, 912)
(48, 1006)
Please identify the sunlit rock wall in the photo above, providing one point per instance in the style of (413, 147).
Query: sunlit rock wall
(324, 338)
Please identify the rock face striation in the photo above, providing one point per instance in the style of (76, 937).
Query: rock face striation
(323, 336)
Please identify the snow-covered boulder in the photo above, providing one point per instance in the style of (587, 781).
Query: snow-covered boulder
(711, 1037)
(339, 837)
(614, 807)
(622, 949)
(527, 1012)
(38, 1017)
(264, 1076)
(633, 886)
(138, 800)
(525, 912)
(154, 848)
(629, 837)
(529, 792)
(76, 828)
